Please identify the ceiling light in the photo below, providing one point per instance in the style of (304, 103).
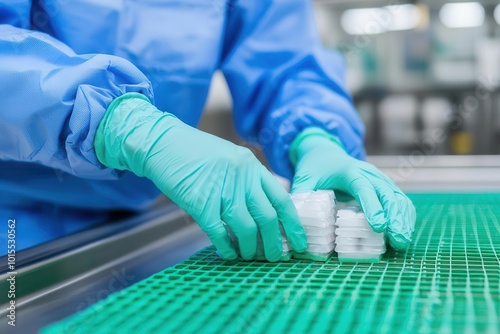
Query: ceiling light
(462, 15)
(370, 21)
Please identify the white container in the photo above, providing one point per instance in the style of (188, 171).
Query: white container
(317, 213)
(355, 239)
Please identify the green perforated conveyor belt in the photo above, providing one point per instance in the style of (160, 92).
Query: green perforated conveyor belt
(448, 281)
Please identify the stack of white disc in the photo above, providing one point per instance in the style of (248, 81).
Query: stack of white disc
(355, 239)
(347, 231)
(317, 214)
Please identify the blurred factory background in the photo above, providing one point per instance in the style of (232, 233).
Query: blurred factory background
(424, 75)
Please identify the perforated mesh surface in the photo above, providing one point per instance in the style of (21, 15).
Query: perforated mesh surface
(448, 281)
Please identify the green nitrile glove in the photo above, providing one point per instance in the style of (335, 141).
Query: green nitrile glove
(321, 163)
(210, 178)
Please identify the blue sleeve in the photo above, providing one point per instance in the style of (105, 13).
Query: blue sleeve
(282, 80)
(15, 13)
(53, 101)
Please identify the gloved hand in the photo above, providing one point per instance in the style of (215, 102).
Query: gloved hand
(321, 163)
(210, 178)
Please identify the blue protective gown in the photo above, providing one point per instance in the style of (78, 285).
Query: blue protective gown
(62, 63)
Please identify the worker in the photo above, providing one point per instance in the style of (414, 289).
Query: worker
(100, 102)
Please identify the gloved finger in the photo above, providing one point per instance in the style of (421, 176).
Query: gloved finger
(210, 222)
(267, 221)
(218, 235)
(367, 197)
(287, 213)
(400, 235)
(236, 215)
(394, 210)
(303, 182)
(410, 211)
(400, 227)
(390, 205)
